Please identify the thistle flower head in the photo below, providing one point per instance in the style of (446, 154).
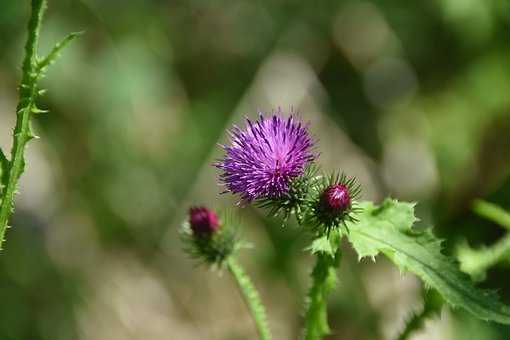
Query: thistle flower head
(203, 221)
(264, 157)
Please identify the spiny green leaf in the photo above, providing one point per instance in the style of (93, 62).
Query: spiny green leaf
(321, 245)
(386, 230)
(55, 52)
(401, 216)
(326, 244)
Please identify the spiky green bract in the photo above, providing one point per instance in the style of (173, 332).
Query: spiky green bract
(251, 297)
(476, 262)
(387, 229)
(211, 249)
(32, 71)
(320, 217)
(432, 305)
(324, 279)
(294, 201)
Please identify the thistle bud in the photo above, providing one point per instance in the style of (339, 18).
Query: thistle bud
(207, 237)
(334, 203)
(203, 222)
(337, 198)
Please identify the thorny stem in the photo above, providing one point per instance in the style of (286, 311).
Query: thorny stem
(24, 110)
(32, 70)
(251, 297)
(323, 281)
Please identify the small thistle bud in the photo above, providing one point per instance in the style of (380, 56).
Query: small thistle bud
(203, 222)
(208, 238)
(334, 203)
(337, 198)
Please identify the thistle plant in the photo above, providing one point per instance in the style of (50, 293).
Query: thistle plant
(33, 69)
(271, 163)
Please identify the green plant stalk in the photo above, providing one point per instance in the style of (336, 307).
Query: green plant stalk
(477, 261)
(432, 304)
(251, 297)
(416, 322)
(323, 281)
(492, 212)
(485, 258)
(26, 106)
(32, 70)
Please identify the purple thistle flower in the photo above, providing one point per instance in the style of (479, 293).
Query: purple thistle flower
(203, 221)
(263, 158)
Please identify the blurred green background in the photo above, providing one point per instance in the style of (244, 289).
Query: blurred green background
(412, 97)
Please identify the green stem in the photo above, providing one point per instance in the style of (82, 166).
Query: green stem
(482, 259)
(415, 323)
(26, 104)
(432, 306)
(492, 212)
(323, 281)
(477, 261)
(251, 297)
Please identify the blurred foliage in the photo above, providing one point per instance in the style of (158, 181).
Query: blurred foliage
(412, 97)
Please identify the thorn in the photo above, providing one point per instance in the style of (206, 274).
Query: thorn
(42, 92)
(37, 110)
